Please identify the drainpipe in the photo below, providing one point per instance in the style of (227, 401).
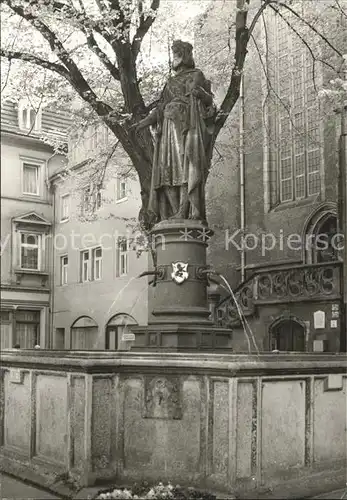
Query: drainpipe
(343, 221)
(52, 281)
(242, 175)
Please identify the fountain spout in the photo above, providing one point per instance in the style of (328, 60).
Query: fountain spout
(149, 273)
(158, 274)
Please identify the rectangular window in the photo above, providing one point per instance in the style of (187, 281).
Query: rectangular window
(97, 263)
(91, 265)
(121, 189)
(64, 262)
(29, 119)
(30, 251)
(85, 266)
(123, 258)
(64, 208)
(59, 342)
(5, 330)
(313, 159)
(5, 316)
(31, 179)
(27, 328)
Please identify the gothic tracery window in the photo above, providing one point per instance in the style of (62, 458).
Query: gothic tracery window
(296, 152)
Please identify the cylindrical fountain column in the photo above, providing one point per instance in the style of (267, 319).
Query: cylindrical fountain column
(181, 287)
(180, 316)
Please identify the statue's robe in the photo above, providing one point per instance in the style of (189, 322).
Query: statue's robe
(182, 137)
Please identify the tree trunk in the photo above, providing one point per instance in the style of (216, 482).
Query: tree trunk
(133, 100)
(139, 148)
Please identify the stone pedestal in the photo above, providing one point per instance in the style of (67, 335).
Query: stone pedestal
(180, 317)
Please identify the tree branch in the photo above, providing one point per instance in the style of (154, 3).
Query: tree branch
(257, 15)
(276, 2)
(144, 26)
(72, 73)
(94, 47)
(115, 6)
(30, 58)
(303, 41)
(75, 77)
(270, 86)
(314, 58)
(340, 8)
(233, 92)
(102, 174)
(83, 20)
(102, 5)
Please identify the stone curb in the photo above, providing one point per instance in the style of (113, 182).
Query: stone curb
(86, 493)
(342, 494)
(60, 491)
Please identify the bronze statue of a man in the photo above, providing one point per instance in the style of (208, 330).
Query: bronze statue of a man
(183, 123)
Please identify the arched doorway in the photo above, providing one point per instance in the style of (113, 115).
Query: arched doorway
(115, 328)
(84, 334)
(287, 335)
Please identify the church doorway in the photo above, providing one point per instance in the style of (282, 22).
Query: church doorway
(288, 335)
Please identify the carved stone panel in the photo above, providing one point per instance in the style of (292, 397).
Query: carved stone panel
(163, 398)
(295, 284)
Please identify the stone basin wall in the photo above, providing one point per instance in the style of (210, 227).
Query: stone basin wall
(231, 423)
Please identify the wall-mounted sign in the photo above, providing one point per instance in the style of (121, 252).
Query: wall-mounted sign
(333, 382)
(319, 320)
(335, 311)
(126, 337)
(333, 323)
(16, 376)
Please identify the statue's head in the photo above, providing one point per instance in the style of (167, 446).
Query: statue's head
(182, 55)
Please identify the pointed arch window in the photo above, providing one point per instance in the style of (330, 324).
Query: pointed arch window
(326, 249)
(323, 241)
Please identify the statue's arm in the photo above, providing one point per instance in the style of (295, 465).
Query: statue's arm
(202, 89)
(154, 116)
(149, 120)
(204, 96)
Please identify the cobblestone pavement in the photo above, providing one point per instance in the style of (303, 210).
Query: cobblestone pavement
(13, 489)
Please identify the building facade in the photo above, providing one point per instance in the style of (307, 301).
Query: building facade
(26, 222)
(96, 294)
(278, 234)
(69, 255)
